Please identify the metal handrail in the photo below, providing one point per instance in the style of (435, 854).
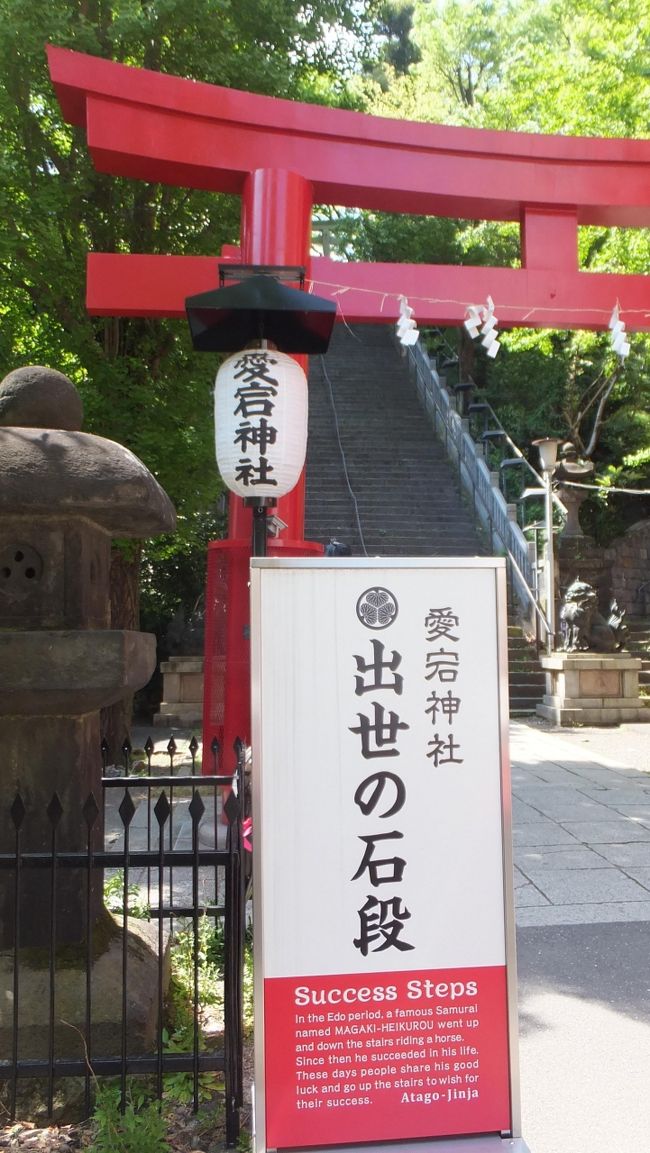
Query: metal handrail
(517, 457)
(489, 504)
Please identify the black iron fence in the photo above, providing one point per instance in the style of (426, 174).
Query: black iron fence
(84, 991)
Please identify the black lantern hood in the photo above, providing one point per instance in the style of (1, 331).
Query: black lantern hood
(260, 308)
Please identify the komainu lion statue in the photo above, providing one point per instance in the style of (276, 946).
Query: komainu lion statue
(584, 628)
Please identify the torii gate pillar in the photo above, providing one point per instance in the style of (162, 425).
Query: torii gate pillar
(275, 230)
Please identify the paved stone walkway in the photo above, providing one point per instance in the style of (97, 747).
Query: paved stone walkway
(143, 828)
(581, 819)
(581, 824)
(581, 830)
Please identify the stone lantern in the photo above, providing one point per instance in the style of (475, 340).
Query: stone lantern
(572, 470)
(63, 495)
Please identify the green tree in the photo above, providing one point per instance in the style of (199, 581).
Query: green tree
(555, 66)
(396, 46)
(141, 383)
(462, 47)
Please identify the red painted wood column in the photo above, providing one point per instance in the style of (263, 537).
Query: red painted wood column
(275, 230)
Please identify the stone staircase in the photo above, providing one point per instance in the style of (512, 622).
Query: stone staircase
(638, 644)
(370, 443)
(526, 681)
(407, 497)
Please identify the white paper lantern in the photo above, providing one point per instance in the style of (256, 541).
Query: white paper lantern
(260, 416)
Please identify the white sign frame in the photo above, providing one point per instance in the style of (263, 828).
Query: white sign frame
(277, 602)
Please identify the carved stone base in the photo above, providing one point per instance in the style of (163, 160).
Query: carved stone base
(182, 704)
(592, 689)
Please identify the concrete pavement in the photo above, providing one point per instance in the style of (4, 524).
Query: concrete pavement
(581, 823)
(581, 819)
(581, 831)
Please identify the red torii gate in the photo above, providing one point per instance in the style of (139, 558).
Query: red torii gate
(283, 157)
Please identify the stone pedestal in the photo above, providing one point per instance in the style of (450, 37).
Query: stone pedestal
(103, 985)
(63, 495)
(52, 684)
(182, 703)
(592, 689)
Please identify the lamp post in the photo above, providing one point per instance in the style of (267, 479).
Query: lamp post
(547, 447)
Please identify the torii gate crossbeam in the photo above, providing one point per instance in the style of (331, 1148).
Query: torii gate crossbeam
(163, 128)
(283, 157)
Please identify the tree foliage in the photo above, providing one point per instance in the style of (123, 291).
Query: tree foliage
(396, 49)
(140, 380)
(573, 67)
(462, 50)
(565, 66)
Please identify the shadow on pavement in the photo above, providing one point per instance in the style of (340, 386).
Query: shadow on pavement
(609, 964)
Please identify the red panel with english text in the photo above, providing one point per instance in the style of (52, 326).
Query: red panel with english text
(389, 1056)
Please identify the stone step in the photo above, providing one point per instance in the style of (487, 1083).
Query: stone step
(446, 506)
(176, 715)
(526, 680)
(525, 674)
(407, 498)
(443, 512)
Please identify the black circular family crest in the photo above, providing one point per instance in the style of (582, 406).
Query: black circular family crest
(377, 608)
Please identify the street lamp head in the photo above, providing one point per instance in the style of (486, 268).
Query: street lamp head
(547, 447)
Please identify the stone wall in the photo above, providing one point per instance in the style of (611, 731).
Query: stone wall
(620, 571)
(631, 569)
(581, 557)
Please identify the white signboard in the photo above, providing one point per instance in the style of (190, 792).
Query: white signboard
(383, 908)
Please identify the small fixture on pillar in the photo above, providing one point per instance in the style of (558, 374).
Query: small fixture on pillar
(275, 525)
(260, 398)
